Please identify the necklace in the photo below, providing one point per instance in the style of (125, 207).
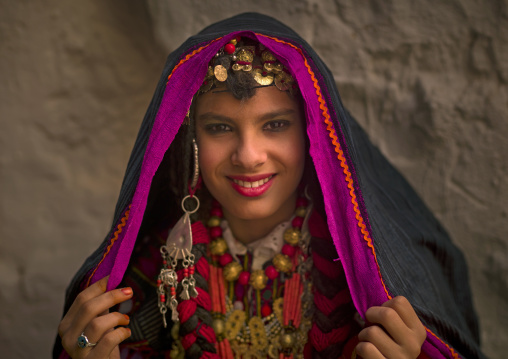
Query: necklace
(262, 313)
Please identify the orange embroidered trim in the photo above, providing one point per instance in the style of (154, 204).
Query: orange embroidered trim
(190, 55)
(119, 229)
(340, 156)
(126, 216)
(454, 354)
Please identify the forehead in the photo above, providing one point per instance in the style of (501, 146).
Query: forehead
(266, 100)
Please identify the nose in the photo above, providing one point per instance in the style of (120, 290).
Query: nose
(250, 153)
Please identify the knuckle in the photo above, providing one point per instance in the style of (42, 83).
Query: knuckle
(399, 302)
(68, 344)
(114, 337)
(109, 339)
(81, 298)
(369, 333)
(93, 327)
(102, 284)
(370, 312)
(113, 297)
(387, 314)
(400, 299)
(364, 349)
(62, 328)
(87, 307)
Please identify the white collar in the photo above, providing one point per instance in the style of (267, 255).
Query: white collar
(262, 249)
(265, 248)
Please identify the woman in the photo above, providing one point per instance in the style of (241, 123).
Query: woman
(307, 223)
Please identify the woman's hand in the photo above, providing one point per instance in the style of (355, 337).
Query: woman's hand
(89, 314)
(394, 331)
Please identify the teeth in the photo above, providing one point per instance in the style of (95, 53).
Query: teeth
(252, 184)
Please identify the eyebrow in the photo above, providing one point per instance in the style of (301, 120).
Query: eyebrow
(267, 116)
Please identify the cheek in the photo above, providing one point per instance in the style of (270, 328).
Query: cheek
(211, 156)
(206, 162)
(295, 154)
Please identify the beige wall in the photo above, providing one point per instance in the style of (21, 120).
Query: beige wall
(426, 79)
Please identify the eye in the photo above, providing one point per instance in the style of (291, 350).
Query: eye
(217, 128)
(277, 125)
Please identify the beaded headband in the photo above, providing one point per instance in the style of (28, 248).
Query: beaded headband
(237, 55)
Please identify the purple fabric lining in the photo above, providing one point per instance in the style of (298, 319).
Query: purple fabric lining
(358, 260)
(359, 264)
(176, 100)
(105, 267)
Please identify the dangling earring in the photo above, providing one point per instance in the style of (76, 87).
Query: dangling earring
(195, 175)
(179, 246)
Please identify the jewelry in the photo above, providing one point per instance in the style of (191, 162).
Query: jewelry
(255, 60)
(83, 341)
(178, 247)
(195, 175)
(262, 330)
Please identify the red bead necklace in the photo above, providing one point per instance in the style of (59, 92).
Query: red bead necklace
(277, 329)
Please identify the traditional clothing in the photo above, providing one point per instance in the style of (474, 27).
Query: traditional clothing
(388, 242)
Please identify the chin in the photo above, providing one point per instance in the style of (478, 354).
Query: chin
(252, 211)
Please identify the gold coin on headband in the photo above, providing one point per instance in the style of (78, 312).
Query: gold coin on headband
(220, 73)
(263, 80)
(245, 55)
(268, 56)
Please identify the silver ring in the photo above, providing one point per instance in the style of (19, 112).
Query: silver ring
(83, 341)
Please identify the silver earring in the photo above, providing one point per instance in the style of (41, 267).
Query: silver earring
(195, 175)
(178, 247)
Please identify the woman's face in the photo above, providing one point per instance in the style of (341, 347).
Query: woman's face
(251, 152)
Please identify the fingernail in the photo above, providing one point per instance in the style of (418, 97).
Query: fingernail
(128, 331)
(127, 317)
(127, 291)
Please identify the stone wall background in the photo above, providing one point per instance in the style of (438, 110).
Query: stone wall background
(427, 79)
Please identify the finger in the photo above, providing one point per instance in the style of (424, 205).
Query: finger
(367, 350)
(100, 325)
(93, 291)
(109, 342)
(408, 315)
(408, 336)
(405, 311)
(390, 320)
(95, 306)
(378, 337)
(91, 309)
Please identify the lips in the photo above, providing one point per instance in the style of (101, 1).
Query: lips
(252, 186)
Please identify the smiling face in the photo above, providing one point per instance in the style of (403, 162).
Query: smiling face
(251, 153)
